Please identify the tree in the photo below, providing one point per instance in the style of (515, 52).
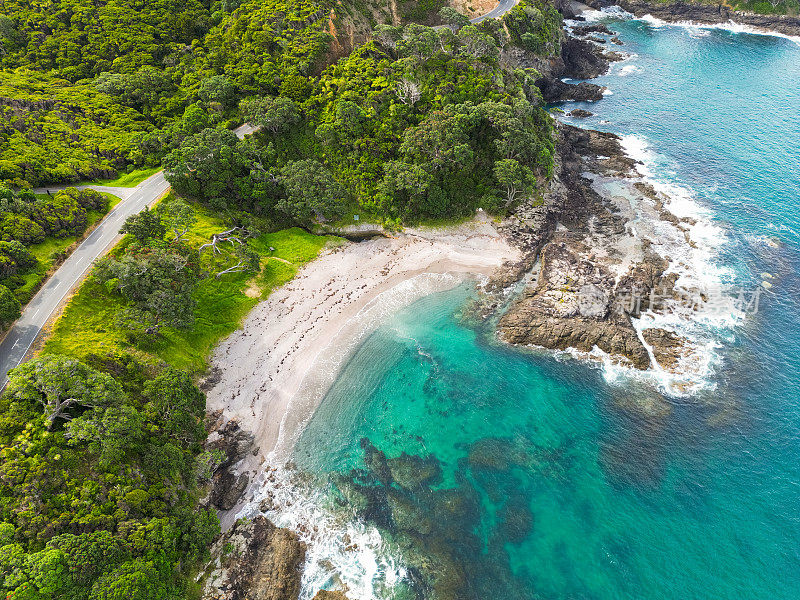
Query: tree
(311, 192)
(87, 198)
(515, 178)
(177, 215)
(15, 258)
(60, 385)
(134, 580)
(477, 44)
(419, 42)
(60, 215)
(20, 228)
(272, 114)
(442, 138)
(10, 307)
(408, 91)
(217, 89)
(112, 432)
(454, 19)
(218, 168)
(176, 405)
(158, 284)
(89, 554)
(227, 245)
(141, 90)
(146, 226)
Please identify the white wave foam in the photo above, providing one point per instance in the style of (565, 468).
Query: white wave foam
(697, 29)
(629, 70)
(607, 12)
(342, 551)
(706, 313)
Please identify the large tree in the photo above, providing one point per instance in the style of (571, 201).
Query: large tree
(272, 114)
(312, 193)
(61, 386)
(10, 308)
(145, 226)
(159, 286)
(15, 258)
(216, 167)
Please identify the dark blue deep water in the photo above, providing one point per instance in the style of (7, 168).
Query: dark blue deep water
(565, 491)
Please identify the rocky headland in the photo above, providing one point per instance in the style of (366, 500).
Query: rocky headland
(591, 273)
(577, 274)
(714, 14)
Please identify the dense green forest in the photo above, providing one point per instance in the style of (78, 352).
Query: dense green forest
(101, 437)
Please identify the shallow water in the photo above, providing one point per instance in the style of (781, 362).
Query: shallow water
(581, 488)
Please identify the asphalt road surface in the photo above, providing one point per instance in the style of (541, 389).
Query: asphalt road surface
(19, 338)
(502, 8)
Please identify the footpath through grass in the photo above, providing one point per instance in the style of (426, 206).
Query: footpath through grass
(87, 325)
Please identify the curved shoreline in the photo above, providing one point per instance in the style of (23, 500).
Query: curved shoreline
(273, 372)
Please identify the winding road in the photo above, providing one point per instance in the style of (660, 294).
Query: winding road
(502, 8)
(37, 312)
(16, 343)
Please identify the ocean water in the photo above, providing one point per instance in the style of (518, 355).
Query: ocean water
(545, 477)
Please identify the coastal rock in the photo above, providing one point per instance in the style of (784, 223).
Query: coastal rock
(583, 59)
(227, 488)
(571, 307)
(227, 438)
(234, 442)
(256, 561)
(554, 90)
(704, 13)
(668, 347)
(580, 113)
(593, 275)
(583, 30)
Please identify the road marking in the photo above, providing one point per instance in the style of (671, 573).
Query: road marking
(16, 341)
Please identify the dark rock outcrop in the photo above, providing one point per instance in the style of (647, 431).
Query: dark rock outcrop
(580, 113)
(256, 561)
(234, 444)
(579, 299)
(554, 90)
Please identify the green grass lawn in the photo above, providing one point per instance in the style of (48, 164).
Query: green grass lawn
(87, 324)
(131, 179)
(45, 250)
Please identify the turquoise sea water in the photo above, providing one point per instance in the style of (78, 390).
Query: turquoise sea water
(565, 493)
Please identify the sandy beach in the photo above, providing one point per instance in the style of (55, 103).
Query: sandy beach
(275, 370)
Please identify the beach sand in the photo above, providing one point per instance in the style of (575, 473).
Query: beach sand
(274, 371)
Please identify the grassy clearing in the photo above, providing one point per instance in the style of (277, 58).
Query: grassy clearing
(131, 179)
(87, 324)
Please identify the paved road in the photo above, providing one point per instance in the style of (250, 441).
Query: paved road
(20, 337)
(502, 8)
(37, 312)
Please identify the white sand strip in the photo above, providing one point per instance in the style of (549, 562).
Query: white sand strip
(277, 368)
